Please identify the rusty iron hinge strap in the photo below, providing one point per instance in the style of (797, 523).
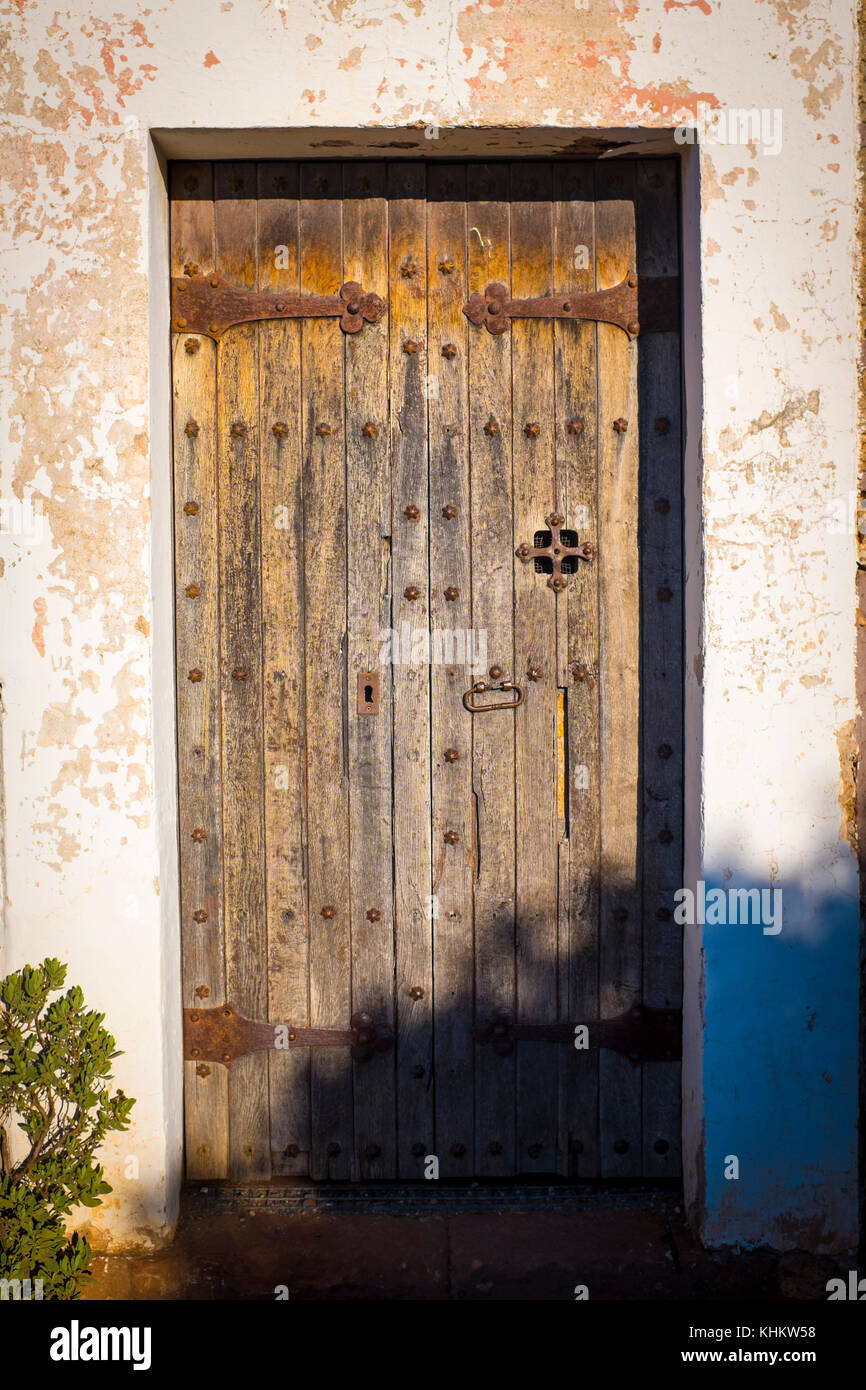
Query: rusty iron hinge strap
(221, 1034)
(209, 304)
(641, 1033)
(638, 304)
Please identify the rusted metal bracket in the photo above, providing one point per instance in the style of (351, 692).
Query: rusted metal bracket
(642, 1034)
(221, 1034)
(559, 548)
(638, 304)
(209, 304)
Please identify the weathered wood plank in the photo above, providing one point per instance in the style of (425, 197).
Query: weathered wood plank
(619, 673)
(488, 222)
(577, 478)
(535, 648)
(326, 672)
(368, 500)
(241, 670)
(411, 679)
(284, 732)
(197, 645)
(451, 618)
(662, 660)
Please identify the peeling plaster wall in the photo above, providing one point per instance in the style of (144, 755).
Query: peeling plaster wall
(85, 590)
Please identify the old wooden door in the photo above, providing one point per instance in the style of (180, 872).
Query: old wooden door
(435, 918)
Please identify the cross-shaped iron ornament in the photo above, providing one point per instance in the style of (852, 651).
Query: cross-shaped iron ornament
(556, 552)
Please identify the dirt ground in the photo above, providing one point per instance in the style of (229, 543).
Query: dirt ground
(255, 1244)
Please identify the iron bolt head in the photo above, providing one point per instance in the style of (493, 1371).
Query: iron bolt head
(202, 992)
(192, 590)
(633, 327)
(523, 552)
(452, 593)
(198, 835)
(238, 430)
(369, 430)
(532, 429)
(557, 583)
(180, 323)
(555, 519)
(291, 1151)
(411, 592)
(280, 429)
(194, 1017)
(620, 425)
(416, 992)
(328, 912)
(492, 427)
(191, 509)
(664, 750)
(202, 1069)
(449, 511)
(496, 672)
(373, 914)
(410, 346)
(190, 429)
(574, 426)
(662, 505)
(664, 594)
(451, 755)
(194, 675)
(451, 837)
(323, 431)
(632, 282)
(191, 346)
(449, 351)
(214, 284)
(661, 1146)
(280, 305)
(408, 269)
(665, 836)
(534, 673)
(191, 269)
(446, 267)
(200, 915)
(412, 513)
(662, 425)
(240, 673)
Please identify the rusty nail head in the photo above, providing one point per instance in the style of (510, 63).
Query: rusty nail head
(192, 591)
(328, 911)
(408, 269)
(280, 429)
(194, 1051)
(492, 427)
(412, 513)
(191, 269)
(191, 345)
(193, 1018)
(238, 429)
(449, 351)
(664, 594)
(202, 1069)
(190, 429)
(451, 837)
(662, 505)
(449, 511)
(181, 323)
(191, 508)
(410, 346)
(451, 755)
(240, 673)
(620, 425)
(632, 282)
(291, 1151)
(323, 431)
(634, 327)
(200, 915)
(280, 305)
(567, 306)
(534, 673)
(202, 991)
(369, 430)
(416, 992)
(523, 551)
(662, 424)
(581, 673)
(227, 1013)
(661, 1146)
(451, 593)
(194, 675)
(532, 429)
(555, 519)
(198, 835)
(665, 836)
(293, 1037)
(411, 592)
(446, 267)
(664, 750)
(557, 583)
(496, 672)
(574, 426)
(373, 914)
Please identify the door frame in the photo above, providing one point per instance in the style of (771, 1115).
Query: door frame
(431, 144)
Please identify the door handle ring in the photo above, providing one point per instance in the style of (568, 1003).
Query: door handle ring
(479, 687)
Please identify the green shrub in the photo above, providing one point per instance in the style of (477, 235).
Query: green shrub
(55, 1063)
